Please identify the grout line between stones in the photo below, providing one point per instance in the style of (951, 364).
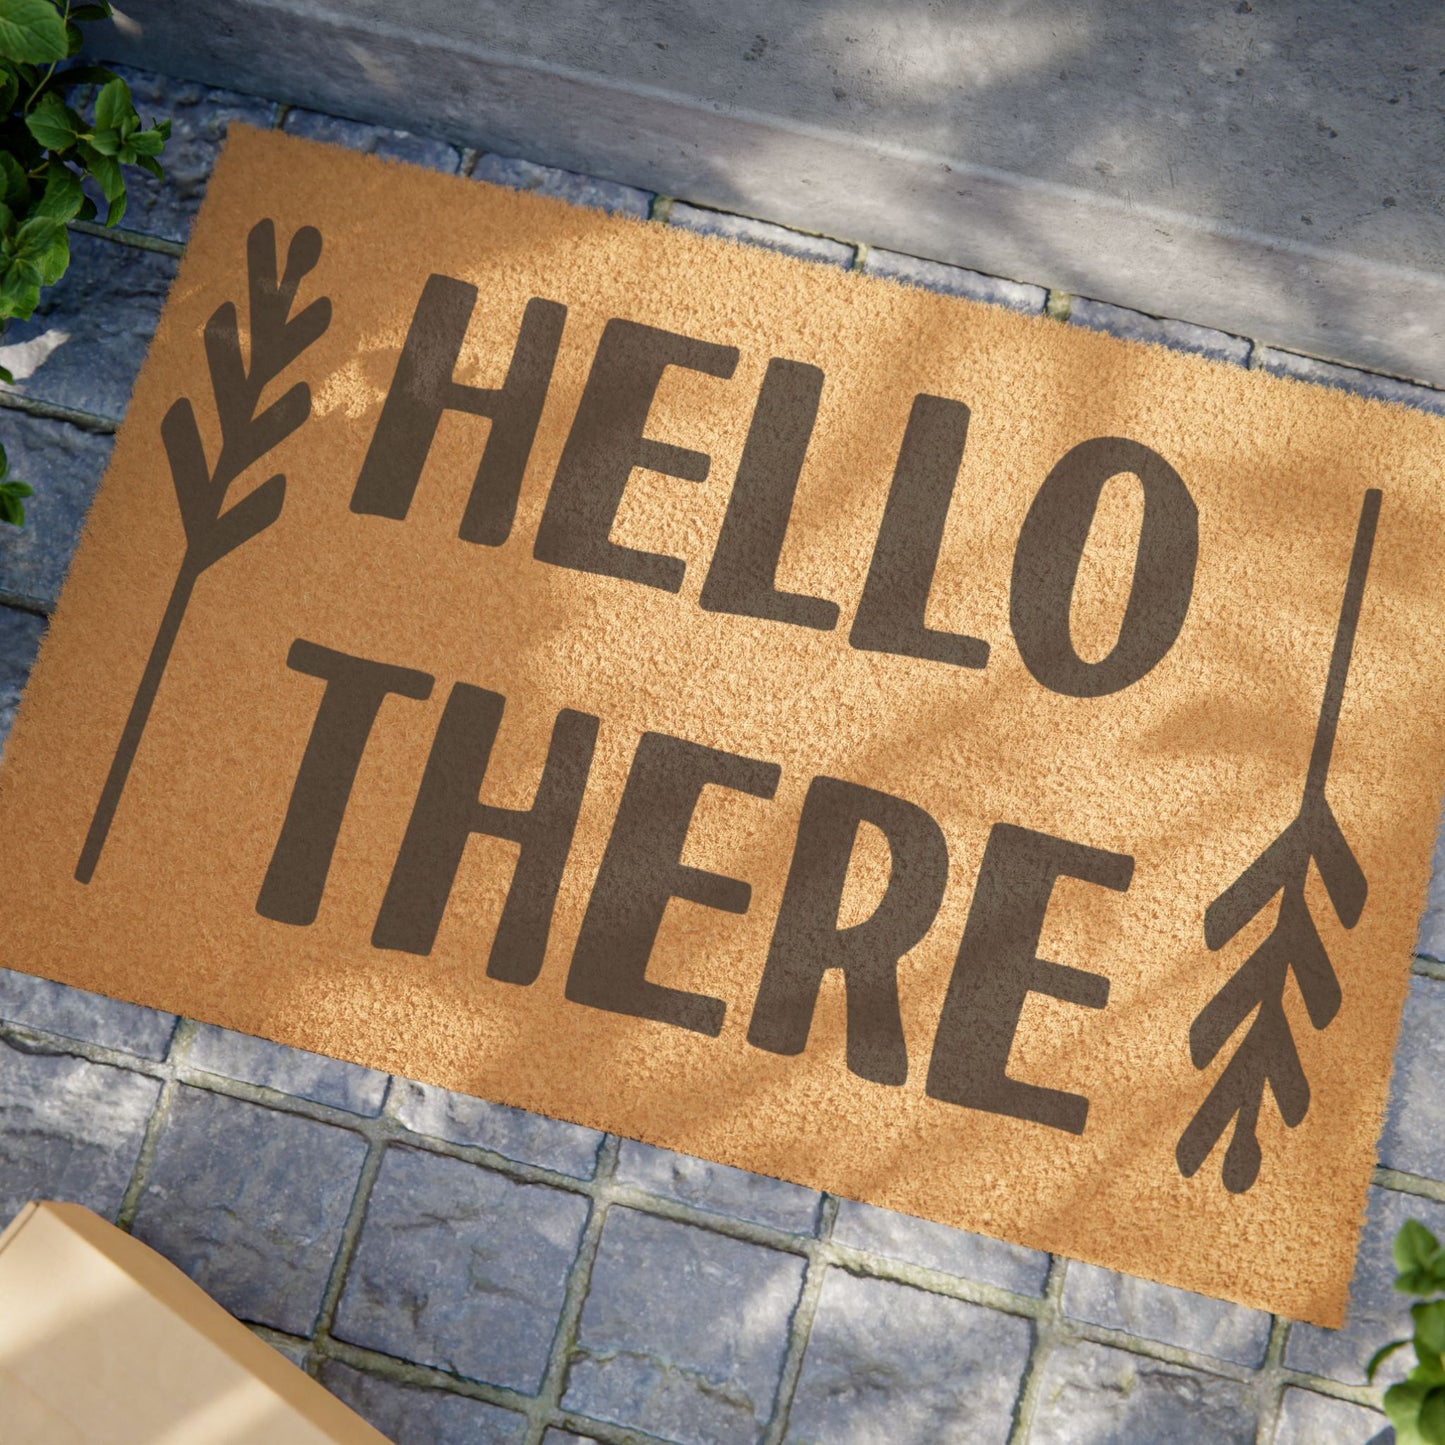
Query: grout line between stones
(1269, 1385)
(180, 1046)
(1424, 967)
(124, 236)
(19, 602)
(547, 1406)
(1046, 1326)
(49, 411)
(800, 1327)
(346, 1247)
(468, 162)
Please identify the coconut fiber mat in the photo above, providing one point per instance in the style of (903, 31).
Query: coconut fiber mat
(936, 755)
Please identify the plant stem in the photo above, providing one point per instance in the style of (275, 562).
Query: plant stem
(45, 79)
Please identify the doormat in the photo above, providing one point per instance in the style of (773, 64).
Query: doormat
(962, 762)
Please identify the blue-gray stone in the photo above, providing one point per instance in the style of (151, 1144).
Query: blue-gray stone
(953, 280)
(415, 1415)
(718, 1187)
(514, 1133)
(1092, 1395)
(1378, 1313)
(887, 1362)
(1179, 335)
(93, 1018)
(1414, 1135)
(69, 1130)
(1431, 938)
(761, 233)
(290, 1071)
(684, 1331)
(85, 343)
(199, 119)
(566, 1437)
(20, 634)
(580, 190)
(1171, 1316)
(1306, 1418)
(461, 1268)
(936, 1246)
(1346, 378)
(64, 464)
(250, 1202)
(376, 140)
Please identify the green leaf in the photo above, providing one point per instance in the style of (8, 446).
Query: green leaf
(31, 30)
(73, 39)
(9, 90)
(7, 222)
(1432, 1417)
(12, 510)
(107, 142)
(151, 164)
(14, 488)
(87, 210)
(1380, 1356)
(1429, 1326)
(35, 237)
(116, 210)
(1402, 1404)
(112, 105)
(55, 260)
(14, 187)
(107, 173)
(147, 142)
(63, 196)
(1413, 1246)
(4, 460)
(91, 12)
(19, 289)
(53, 123)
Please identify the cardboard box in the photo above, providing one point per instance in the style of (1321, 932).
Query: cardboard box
(103, 1342)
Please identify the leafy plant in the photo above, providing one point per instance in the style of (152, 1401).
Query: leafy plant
(47, 149)
(1416, 1406)
(12, 494)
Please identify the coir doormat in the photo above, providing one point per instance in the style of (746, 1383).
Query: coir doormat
(963, 762)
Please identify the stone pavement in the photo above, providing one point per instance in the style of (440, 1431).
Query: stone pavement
(462, 1272)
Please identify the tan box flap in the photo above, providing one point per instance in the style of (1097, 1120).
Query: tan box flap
(104, 1342)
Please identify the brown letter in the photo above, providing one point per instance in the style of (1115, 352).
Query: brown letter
(355, 688)
(606, 443)
(423, 389)
(743, 576)
(900, 577)
(998, 968)
(448, 812)
(807, 940)
(1051, 546)
(640, 871)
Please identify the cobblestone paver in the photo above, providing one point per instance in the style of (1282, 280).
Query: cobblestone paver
(459, 1271)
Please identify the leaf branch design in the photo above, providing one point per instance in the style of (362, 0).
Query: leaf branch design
(1267, 1054)
(248, 432)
